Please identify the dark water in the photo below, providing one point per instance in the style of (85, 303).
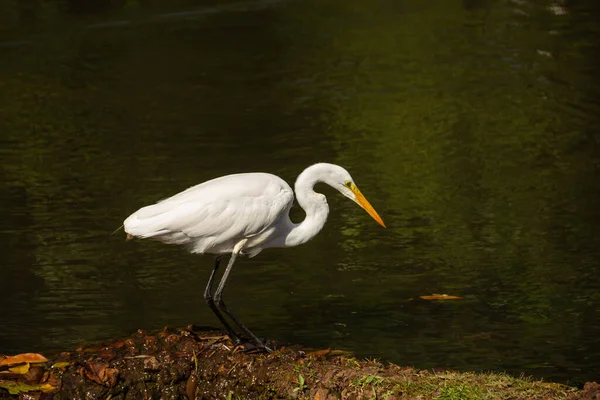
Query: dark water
(473, 127)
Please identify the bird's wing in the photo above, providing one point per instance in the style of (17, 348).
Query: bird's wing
(216, 212)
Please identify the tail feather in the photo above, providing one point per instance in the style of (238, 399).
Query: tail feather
(150, 222)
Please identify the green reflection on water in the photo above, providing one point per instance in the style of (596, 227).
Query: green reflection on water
(477, 149)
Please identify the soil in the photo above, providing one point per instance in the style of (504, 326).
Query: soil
(200, 364)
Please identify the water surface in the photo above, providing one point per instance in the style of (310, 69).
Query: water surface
(471, 127)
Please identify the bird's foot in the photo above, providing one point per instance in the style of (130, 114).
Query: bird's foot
(235, 339)
(251, 347)
(261, 346)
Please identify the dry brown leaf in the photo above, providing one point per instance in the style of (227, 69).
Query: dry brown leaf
(53, 379)
(191, 386)
(101, 373)
(437, 296)
(107, 354)
(319, 353)
(23, 358)
(322, 394)
(35, 374)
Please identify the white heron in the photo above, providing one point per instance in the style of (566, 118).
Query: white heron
(242, 214)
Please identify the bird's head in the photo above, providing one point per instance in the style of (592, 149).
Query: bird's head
(340, 179)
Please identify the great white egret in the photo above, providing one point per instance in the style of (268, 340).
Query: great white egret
(243, 214)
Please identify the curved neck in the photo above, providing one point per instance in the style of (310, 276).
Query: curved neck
(314, 205)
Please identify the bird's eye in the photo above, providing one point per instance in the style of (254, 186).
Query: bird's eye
(348, 184)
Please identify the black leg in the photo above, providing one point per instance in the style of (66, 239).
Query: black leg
(221, 305)
(209, 300)
(208, 289)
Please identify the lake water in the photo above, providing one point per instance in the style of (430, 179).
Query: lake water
(473, 128)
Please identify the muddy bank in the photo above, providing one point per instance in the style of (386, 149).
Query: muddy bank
(195, 364)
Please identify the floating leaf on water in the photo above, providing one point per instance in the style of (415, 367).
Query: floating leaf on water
(31, 358)
(437, 296)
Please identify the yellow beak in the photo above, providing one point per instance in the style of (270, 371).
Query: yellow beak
(364, 203)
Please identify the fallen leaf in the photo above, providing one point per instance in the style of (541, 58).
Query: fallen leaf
(18, 387)
(61, 364)
(319, 353)
(20, 369)
(46, 388)
(34, 375)
(107, 354)
(101, 373)
(191, 386)
(322, 394)
(21, 358)
(437, 296)
(53, 379)
(8, 376)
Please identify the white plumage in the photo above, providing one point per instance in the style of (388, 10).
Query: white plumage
(214, 216)
(243, 214)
